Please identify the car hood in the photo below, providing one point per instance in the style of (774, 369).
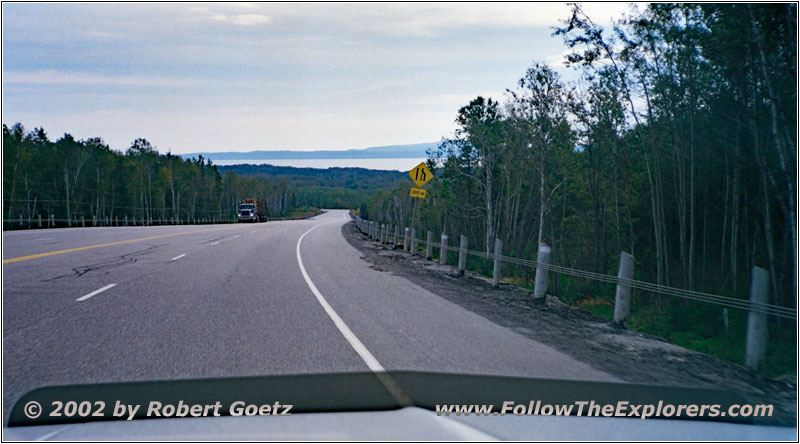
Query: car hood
(391, 405)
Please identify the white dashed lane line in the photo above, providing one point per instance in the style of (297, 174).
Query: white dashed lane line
(96, 292)
(178, 257)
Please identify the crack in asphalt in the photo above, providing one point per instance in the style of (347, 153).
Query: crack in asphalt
(216, 239)
(123, 260)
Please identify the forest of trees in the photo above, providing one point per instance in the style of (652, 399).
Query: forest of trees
(325, 188)
(77, 182)
(677, 145)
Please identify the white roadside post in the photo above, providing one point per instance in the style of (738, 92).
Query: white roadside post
(405, 240)
(756, 345)
(540, 282)
(462, 255)
(622, 301)
(396, 236)
(413, 241)
(498, 250)
(429, 246)
(443, 250)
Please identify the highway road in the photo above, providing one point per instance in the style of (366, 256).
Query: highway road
(86, 305)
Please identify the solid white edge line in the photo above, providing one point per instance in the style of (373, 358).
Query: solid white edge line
(178, 257)
(348, 334)
(96, 292)
(214, 243)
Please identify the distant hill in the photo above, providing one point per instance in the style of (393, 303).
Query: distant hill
(379, 152)
(349, 178)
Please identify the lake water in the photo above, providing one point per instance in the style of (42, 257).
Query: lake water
(404, 164)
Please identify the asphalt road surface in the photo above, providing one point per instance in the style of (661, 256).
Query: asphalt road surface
(87, 305)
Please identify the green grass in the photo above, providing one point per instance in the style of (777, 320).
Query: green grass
(303, 212)
(700, 327)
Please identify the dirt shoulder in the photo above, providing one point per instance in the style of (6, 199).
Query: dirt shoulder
(629, 355)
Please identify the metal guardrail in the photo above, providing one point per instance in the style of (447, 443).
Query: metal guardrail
(754, 306)
(116, 221)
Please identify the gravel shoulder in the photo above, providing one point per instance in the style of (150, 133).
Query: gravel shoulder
(632, 356)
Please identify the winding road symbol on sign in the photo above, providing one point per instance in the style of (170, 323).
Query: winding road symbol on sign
(420, 174)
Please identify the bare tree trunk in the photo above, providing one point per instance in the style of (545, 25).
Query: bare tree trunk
(541, 201)
(777, 139)
(489, 208)
(66, 191)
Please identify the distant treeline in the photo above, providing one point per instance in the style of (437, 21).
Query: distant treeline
(82, 181)
(325, 188)
(685, 125)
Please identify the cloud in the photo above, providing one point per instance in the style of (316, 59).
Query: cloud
(246, 19)
(235, 19)
(425, 19)
(52, 77)
(104, 35)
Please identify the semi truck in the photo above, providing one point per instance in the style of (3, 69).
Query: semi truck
(252, 209)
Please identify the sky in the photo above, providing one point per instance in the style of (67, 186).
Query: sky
(241, 77)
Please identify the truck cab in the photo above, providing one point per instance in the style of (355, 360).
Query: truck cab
(252, 209)
(247, 212)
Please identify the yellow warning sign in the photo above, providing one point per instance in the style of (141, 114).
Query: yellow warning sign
(419, 193)
(420, 174)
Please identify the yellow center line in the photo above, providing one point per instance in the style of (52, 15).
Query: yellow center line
(108, 244)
